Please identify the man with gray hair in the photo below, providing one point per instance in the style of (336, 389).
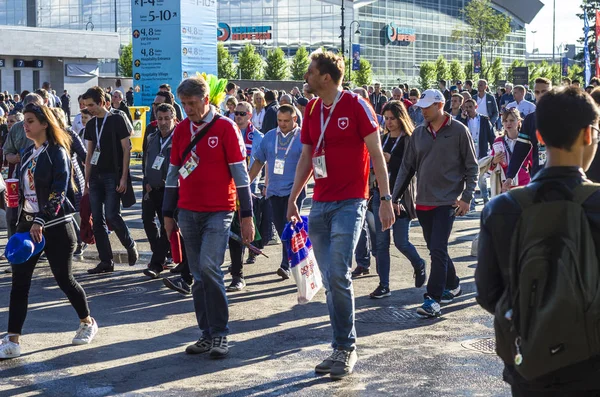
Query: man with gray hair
(207, 168)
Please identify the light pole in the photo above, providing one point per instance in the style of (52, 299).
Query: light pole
(533, 32)
(350, 53)
(342, 29)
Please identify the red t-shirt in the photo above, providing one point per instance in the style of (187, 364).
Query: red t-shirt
(346, 155)
(210, 187)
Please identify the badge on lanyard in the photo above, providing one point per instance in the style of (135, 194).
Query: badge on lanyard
(318, 160)
(158, 162)
(278, 166)
(541, 154)
(95, 156)
(188, 167)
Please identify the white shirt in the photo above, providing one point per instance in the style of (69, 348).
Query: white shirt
(473, 125)
(31, 202)
(482, 105)
(257, 119)
(525, 107)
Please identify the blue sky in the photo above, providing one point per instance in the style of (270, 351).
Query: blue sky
(568, 26)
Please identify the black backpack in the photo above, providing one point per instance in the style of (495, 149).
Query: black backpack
(549, 315)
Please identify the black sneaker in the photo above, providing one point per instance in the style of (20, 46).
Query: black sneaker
(420, 275)
(178, 284)
(202, 346)
(102, 267)
(283, 273)
(132, 255)
(380, 292)
(237, 284)
(153, 271)
(8, 270)
(251, 258)
(177, 269)
(360, 271)
(80, 249)
(449, 295)
(43, 258)
(220, 347)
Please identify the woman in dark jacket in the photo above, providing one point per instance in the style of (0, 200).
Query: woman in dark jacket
(399, 128)
(45, 208)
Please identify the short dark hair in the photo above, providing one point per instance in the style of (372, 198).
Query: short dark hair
(287, 109)
(469, 82)
(543, 80)
(457, 95)
(166, 107)
(470, 100)
(270, 96)
(166, 87)
(94, 93)
(330, 63)
(230, 86)
(557, 130)
(107, 97)
(414, 92)
(167, 95)
(575, 81)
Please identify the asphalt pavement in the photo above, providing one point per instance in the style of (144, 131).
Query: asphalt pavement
(275, 342)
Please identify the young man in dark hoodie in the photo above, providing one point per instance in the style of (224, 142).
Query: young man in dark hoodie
(571, 144)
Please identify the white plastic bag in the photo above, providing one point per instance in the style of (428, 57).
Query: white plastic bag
(302, 260)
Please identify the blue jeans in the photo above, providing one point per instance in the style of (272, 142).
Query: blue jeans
(205, 236)
(401, 229)
(279, 206)
(334, 228)
(364, 247)
(437, 226)
(106, 207)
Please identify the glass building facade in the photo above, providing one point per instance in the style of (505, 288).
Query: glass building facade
(395, 35)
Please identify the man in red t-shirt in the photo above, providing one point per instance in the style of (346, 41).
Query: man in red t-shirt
(339, 134)
(207, 169)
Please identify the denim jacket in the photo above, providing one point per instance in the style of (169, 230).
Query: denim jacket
(53, 187)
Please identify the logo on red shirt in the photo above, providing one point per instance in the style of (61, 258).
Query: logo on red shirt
(213, 141)
(343, 123)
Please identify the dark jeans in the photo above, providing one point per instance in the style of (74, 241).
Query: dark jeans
(105, 201)
(159, 244)
(236, 252)
(264, 221)
(518, 391)
(11, 220)
(60, 245)
(279, 207)
(364, 248)
(437, 226)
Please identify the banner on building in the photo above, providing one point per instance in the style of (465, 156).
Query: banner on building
(564, 66)
(355, 56)
(169, 45)
(587, 70)
(477, 62)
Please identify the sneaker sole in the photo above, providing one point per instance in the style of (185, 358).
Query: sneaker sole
(380, 296)
(424, 314)
(152, 275)
(193, 352)
(281, 273)
(100, 271)
(446, 301)
(234, 289)
(8, 357)
(341, 376)
(218, 356)
(323, 371)
(173, 287)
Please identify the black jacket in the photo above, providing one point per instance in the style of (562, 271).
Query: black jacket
(526, 143)
(270, 119)
(498, 224)
(123, 107)
(53, 187)
(486, 135)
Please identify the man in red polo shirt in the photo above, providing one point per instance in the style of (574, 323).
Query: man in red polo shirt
(207, 169)
(339, 135)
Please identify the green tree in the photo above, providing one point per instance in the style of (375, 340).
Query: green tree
(225, 67)
(469, 70)
(427, 75)
(300, 64)
(250, 63)
(364, 75)
(496, 71)
(456, 71)
(575, 72)
(589, 6)
(442, 69)
(277, 67)
(509, 72)
(486, 30)
(126, 60)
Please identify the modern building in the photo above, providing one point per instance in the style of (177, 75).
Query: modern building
(395, 36)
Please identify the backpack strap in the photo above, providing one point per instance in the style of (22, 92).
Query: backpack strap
(583, 191)
(523, 195)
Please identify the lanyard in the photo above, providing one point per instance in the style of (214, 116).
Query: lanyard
(289, 145)
(99, 134)
(193, 132)
(165, 142)
(395, 144)
(326, 123)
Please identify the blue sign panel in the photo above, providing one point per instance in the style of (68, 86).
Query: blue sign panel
(355, 56)
(477, 62)
(198, 41)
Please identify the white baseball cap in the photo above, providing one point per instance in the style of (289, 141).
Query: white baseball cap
(429, 97)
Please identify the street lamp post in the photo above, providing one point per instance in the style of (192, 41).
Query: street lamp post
(351, 55)
(342, 29)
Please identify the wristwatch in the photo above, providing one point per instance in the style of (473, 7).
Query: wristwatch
(387, 197)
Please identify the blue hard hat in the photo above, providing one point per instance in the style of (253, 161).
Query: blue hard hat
(20, 248)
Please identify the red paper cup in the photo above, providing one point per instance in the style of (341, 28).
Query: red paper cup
(176, 251)
(12, 193)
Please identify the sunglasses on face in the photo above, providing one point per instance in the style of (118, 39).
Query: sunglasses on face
(240, 113)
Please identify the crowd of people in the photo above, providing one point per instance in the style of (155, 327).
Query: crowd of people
(229, 177)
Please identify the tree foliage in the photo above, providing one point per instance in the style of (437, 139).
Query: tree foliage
(427, 75)
(364, 75)
(496, 71)
(277, 67)
(225, 67)
(250, 63)
(126, 60)
(300, 63)
(442, 69)
(456, 71)
(486, 30)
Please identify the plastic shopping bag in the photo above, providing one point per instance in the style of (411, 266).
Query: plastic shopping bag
(302, 260)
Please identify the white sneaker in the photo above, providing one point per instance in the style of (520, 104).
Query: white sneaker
(85, 333)
(9, 349)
